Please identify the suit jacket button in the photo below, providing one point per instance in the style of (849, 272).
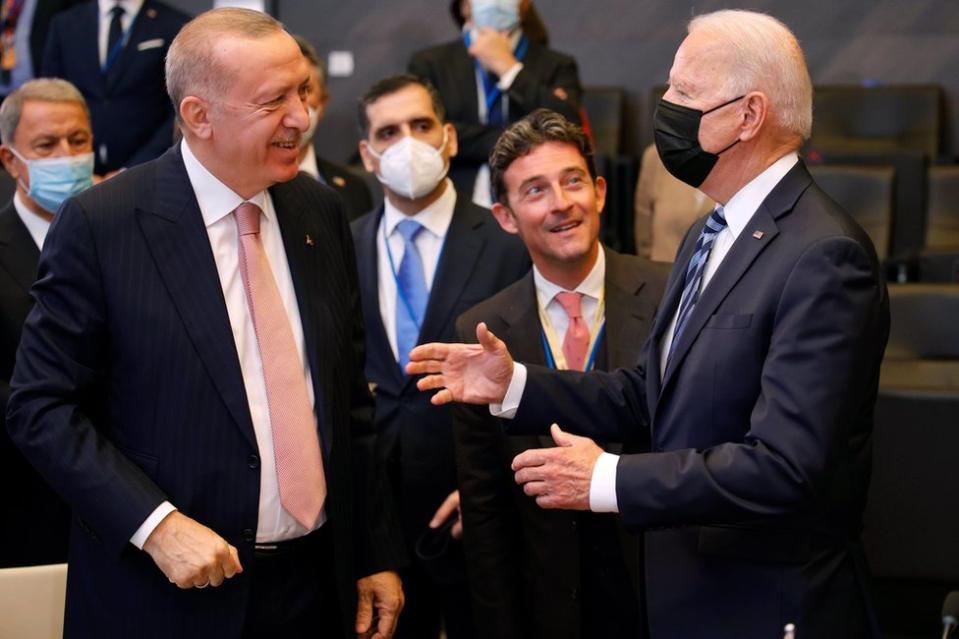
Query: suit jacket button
(248, 535)
(573, 594)
(253, 462)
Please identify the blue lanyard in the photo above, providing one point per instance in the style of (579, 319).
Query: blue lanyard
(590, 362)
(490, 88)
(396, 279)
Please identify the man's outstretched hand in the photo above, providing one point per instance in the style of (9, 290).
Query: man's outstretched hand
(468, 373)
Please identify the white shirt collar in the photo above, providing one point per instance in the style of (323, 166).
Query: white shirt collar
(215, 198)
(741, 206)
(435, 218)
(309, 165)
(592, 284)
(130, 7)
(36, 225)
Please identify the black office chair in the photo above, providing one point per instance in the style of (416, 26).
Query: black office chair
(923, 349)
(867, 193)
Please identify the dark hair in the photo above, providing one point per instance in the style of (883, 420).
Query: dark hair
(389, 86)
(521, 137)
(313, 57)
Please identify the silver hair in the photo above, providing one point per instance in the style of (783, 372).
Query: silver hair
(763, 55)
(192, 67)
(42, 89)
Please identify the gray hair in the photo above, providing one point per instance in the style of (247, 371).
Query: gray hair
(42, 89)
(192, 67)
(764, 55)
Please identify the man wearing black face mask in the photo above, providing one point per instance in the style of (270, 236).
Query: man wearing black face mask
(758, 379)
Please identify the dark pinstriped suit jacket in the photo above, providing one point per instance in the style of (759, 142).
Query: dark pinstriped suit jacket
(128, 391)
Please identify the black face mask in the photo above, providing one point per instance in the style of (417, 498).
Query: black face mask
(676, 129)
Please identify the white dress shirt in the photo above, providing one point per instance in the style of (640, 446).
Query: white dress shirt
(36, 225)
(436, 219)
(739, 210)
(309, 165)
(130, 10)
(217, 201)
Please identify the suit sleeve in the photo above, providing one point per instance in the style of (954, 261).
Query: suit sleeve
(54, 415)
(490, 530)
(52, 67)
(376, 522)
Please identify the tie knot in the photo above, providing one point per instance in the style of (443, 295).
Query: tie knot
(409, 229)
(247, 218)
(117, 11)
(716, 221)
(572, 303)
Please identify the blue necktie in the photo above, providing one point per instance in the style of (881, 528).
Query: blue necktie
(411, 293)
(694, 273)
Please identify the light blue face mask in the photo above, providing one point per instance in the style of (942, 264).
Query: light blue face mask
(501, 15)
(53, 180)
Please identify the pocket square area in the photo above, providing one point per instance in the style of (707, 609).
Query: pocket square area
(150, 44)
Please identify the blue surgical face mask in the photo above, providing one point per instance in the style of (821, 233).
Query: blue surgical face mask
(53, 180)
(501, 15)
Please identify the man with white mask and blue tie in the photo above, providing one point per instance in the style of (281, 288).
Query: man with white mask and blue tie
(48, 149)
(491, 76)
(424, 257)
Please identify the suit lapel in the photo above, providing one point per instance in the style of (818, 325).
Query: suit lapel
(463, 67)
(758, 234)
(367, 263)
(624, 324)
(18, 253)
(88, 45)
(306, 266)
(139, 28)
(180, 247)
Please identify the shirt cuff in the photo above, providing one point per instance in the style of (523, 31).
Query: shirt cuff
(514, 393)
(506, 80)
(602, 486)
(143, 532)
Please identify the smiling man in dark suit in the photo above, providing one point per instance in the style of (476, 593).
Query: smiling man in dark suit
(533, 572)
(491, 76)
(113, 51)
(44, 124)
(758, 379)
(190, 378)
(424, 257)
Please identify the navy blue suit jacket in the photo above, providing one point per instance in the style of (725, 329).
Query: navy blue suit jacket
(762, 426)
(130, 110)
(415, 437)
(128, 391)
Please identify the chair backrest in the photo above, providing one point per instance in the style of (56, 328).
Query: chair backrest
(942, 217)
(924, 322)
(604, 107)
(31, 602)
(857, 118)
(866, 193)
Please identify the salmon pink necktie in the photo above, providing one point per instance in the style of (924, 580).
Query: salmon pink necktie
(576, 342)
(296, 445)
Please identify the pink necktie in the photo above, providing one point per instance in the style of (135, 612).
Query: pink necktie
(576, 342)
(296, 446)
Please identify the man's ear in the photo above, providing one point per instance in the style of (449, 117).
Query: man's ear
(755, 110)
(7, 157)
(452, 142)
(600, 186)
(505, 217)
(195, 114)
(369, 162)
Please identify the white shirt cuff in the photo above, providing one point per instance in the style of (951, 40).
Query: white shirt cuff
(143, 532)
(506, 80)
(602, 486)
(514, 393)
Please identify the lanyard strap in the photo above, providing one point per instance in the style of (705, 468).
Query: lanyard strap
(491, 90)
(554, 348)
(11, 10)
(117, 48)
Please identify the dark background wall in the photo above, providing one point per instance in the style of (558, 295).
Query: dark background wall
(630, 43)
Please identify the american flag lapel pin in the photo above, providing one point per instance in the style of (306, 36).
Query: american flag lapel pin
(309, 240)
(758, 235)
